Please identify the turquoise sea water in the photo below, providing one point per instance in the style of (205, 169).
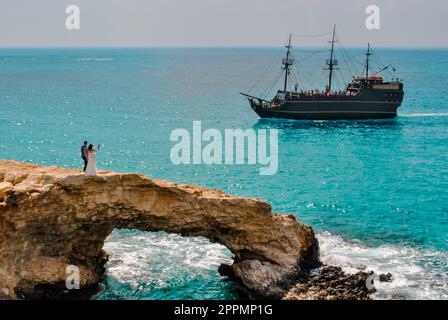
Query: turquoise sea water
(375, 191)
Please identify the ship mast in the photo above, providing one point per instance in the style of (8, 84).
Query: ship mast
(331, 63)
(368, 54)
(287, 62)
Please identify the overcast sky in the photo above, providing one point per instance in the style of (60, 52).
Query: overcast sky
(411, 23)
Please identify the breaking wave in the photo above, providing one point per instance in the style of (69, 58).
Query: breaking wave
(417, 273)
(168, 266)
(157, 265)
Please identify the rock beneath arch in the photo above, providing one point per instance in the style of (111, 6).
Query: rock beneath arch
(51, 218)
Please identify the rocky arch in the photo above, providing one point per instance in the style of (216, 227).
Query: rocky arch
(52, 217)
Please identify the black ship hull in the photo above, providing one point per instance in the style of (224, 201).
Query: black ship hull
(327, 110)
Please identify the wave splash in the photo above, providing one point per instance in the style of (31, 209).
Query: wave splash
(157, 265)
(417, 274)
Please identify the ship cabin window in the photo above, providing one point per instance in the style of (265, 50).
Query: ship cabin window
(370, 80)
(354, 87)
(375, 80)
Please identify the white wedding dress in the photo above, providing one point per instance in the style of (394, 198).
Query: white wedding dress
(91, 163)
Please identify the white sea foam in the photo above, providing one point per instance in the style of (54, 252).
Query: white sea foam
(158, 259)
(94, 59)
(443, 114)
(144, 260)
(418, 274)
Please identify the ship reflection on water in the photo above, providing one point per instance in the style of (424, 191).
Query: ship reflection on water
(282, 124)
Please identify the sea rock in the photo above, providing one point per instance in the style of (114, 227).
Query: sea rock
(332, 283)
(386, 277)
(52, 218)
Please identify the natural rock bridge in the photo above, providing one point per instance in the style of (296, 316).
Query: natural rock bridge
(52, 217)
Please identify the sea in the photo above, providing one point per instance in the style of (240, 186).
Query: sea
(374, 191)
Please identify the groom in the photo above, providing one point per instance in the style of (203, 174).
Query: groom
(84, 154)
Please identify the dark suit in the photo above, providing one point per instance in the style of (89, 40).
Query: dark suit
(84, 156)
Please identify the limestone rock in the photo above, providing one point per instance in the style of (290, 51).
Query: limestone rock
(51, 218)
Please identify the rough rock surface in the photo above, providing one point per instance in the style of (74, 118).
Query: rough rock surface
(52, 217)
(331, 283)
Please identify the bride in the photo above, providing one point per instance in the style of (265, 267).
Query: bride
(91, 161)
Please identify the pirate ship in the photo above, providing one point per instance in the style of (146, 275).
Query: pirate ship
(366, 97)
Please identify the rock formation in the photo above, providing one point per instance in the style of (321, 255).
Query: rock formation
(332, 283)
(52, 217)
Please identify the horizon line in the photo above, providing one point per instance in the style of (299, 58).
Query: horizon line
(203, 47)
